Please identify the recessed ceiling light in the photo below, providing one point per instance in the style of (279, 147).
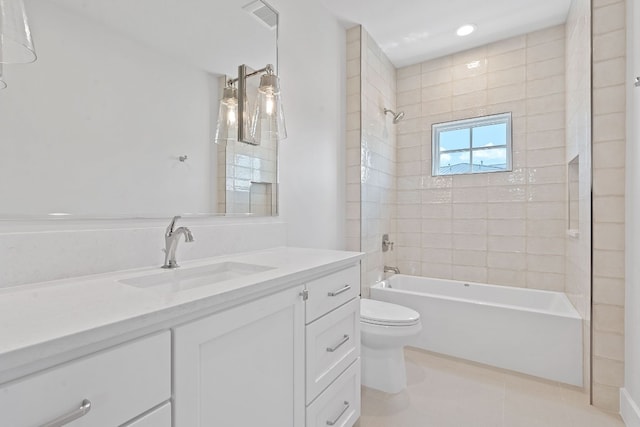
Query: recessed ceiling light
(465, 30)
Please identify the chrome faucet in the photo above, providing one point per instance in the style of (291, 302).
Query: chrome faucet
(171, 238)
(388, 269)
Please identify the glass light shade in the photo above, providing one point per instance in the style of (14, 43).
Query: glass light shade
(16, 45)
(227, 128)
(268, 114)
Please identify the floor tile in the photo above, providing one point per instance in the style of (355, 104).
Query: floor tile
(447, 392)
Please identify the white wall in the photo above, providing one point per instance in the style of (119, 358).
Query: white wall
(630, 394)
(312, 158)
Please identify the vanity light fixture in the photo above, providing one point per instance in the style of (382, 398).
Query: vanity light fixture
(227, 128)
(266, 120)
(465, 30)
(16, 44)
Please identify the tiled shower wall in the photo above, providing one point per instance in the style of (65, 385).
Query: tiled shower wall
(371, 154)
(503, 228)
(609, 116)
(578, 137)
(378, 160)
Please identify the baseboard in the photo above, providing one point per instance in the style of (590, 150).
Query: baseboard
(629, 409)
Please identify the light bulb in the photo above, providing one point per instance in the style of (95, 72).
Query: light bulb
(269, 104)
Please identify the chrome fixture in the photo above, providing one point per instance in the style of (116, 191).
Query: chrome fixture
(386, 243)
(396, 116)
(63, 420)
(3, 84)
(171, 238)
(388, 269)
(637, 83)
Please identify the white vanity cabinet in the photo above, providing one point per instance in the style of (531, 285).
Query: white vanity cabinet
(243, 366)
(333, 349)
(120, 385)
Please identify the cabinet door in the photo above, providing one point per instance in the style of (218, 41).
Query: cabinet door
(159, 417)
(117, 384)
(242, 367)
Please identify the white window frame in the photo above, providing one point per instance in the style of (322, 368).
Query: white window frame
(436, 129)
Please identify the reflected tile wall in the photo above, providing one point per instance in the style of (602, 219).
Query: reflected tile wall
(502, 228)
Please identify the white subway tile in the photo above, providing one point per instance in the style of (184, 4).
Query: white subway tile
(506, 243)
(437, 77)
(608, 264)
(513, 261)
(545, 281)
(469, 211)
(438, 271)
(469, 226)
(546, 263)
(508, 45)
(608, 18)
(437, 240)
(507, 60)
(608, 318)
(609, 45)
(546, 35)
(470, 274)
(546, 86)
(609, 182)
(509, 93)
(507, 227)
(472, 84)
(545, 51)
(470, 258)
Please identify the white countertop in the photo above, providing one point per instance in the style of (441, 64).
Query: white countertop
(44, 323)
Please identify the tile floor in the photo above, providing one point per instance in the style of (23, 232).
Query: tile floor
(445, 392)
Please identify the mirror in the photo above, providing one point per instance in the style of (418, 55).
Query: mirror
(116, 117)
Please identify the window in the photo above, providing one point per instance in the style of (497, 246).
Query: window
(476, 145)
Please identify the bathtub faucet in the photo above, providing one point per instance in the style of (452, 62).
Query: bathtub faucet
(388, 269)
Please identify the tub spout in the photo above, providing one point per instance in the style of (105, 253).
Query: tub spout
(388, 269)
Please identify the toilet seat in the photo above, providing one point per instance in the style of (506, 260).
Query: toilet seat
(386, 314)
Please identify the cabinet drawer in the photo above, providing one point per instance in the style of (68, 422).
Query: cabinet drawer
(332, 291)
(333, 343)
(159, 417)
(121, 383)
(338, 405)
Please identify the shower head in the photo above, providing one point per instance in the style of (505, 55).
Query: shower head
(396, 116)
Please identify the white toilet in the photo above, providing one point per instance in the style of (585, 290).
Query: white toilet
(385, 329)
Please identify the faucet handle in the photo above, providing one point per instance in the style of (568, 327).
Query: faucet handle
(171, 225)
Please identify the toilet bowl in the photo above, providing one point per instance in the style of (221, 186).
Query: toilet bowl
(385, 329)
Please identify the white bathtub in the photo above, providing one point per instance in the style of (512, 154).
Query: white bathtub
(534, 332)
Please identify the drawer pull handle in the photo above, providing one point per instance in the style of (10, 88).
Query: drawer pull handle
(339, 291)
(346, 406)
(344, 340)
(83, 410)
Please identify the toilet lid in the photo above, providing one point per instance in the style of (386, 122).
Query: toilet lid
(384, 313)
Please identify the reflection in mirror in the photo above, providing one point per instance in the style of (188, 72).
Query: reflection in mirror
(121, 91)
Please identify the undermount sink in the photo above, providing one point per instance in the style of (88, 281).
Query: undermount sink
(181, 279)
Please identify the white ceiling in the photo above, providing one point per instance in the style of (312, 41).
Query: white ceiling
(412, 31)
(214, 35)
